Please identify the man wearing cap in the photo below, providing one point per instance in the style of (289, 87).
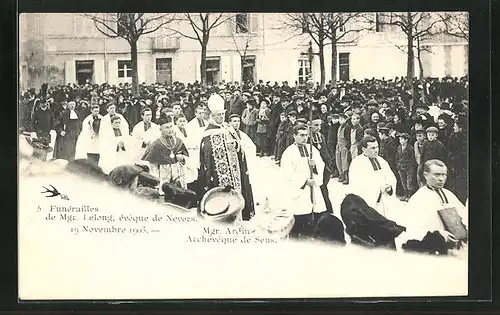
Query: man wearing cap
(371, 177)
(319, 142)
(238, 105)
(223, 160)
(406, 166)
(167, 155)
(302, 171)
(342, 150)
(432, 148)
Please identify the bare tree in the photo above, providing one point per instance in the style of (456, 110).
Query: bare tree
(455, 24)
(416, 27)
(201, 24)
(316, 26)
(130, 26)
(242, 36)
(343, 28)
(325, 29)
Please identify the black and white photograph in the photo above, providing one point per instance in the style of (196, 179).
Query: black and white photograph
(243, 155)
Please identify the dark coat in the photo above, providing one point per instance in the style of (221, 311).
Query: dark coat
(365, 225)
(43, 122)
(405, 159)
(432, 150)
(332, 135)
(387, 151)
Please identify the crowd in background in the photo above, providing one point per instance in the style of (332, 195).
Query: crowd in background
(410, 130)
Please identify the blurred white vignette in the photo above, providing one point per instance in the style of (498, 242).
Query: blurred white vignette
(57, 264)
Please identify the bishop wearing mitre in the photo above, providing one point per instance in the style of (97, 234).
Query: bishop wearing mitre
(222, 159)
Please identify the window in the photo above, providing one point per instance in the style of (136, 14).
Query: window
(344, 66)
(242, 23)
(248, 68)
(304, 71)
(213, 70)
(124, 68)
(341, 23)
(164, 70)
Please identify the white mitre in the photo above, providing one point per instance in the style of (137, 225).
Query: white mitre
(215, 103)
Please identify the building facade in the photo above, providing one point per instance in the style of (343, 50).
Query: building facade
(61, 48)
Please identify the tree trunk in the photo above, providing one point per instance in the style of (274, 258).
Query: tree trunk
(420, 70)
(135, 76)
(203, 63)
(321, 53)
(410, 71)
(334, 61)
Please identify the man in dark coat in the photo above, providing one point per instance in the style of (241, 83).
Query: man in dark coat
(319, 142)
(458, 160)
(42, 123)
(276, 110)
(432, 149)
(333, 127)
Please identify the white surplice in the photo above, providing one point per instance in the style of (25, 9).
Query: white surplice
(140, 136)
(366, 182)
(421, 213)
(193, 147)
(195, 133)
(110, 156)
(106, 128)
(295, 170)
(88, 140)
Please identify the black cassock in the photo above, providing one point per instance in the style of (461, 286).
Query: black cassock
(221, 165)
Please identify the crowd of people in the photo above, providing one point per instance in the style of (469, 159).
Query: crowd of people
(194, 139)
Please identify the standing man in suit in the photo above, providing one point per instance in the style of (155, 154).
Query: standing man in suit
(406, 165)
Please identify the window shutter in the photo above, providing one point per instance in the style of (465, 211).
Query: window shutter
(69, 72)
(99, 71)
(254, 22)
(112, 71)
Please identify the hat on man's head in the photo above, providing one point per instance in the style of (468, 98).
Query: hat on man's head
(292, 113)
(234, 116)
(404, 135)
(420, 131)
(302, 120)
(216, 103)
(432, 129)
(221, 204)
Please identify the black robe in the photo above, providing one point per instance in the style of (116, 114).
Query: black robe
(65, 146)
(222, 167)
(458, 165)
